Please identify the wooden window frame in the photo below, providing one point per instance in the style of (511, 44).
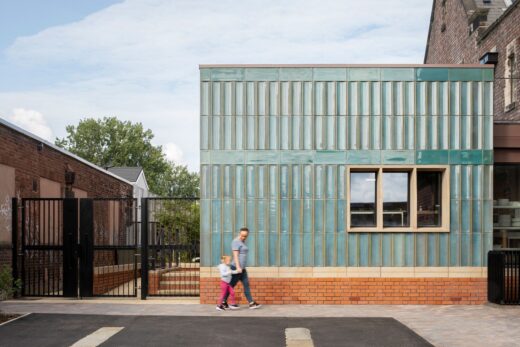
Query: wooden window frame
(413, 169)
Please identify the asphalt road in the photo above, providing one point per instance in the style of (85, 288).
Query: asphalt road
(65, 330)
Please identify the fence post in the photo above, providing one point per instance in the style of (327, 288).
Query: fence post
(86, 232)
(14, 239)
(70, 247)
(144, 248)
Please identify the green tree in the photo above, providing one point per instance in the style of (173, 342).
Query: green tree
(182, 183)
(112, 142)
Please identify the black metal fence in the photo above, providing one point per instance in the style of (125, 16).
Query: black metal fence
(109, 229)
(504, 277)
(47, 246)
(106, 247)
(170, 246)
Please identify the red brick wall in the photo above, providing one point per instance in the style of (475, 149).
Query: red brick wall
(105, 282)
(428, 291)
(455, 45)
(21, 152)
(5, 255)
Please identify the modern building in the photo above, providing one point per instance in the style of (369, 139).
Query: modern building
(488, 31)
(31, 167)
(359, 184)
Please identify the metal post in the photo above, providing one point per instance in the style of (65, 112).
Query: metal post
(70, 244)
(86, 231)
(23, 248)
(14, 239)
(144, 248)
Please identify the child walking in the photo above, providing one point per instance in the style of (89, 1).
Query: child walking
(225, 287)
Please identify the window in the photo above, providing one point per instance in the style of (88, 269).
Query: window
(509, 74)
(398, 198)
(506, 206)
(363, 199)
(429, 198)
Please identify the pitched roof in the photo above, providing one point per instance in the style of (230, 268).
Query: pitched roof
(495, 11)
(129, 173)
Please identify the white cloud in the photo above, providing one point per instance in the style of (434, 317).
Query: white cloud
(173, 153)
(138, 60)
(33, 122)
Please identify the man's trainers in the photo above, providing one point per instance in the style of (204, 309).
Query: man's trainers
(225, 305)
(221, 307)
(234, 307)
(253, 305)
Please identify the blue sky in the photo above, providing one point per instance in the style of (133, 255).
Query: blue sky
(64, 60)
(28, 17)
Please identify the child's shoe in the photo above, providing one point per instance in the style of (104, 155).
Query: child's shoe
(225, 305)
(234, 307)
(221, 307)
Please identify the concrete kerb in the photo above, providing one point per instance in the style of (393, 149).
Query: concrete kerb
(109, 300)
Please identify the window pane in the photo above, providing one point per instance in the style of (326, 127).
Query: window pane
(429, 199)
(506, 210)
(396, 201)
(362, 199)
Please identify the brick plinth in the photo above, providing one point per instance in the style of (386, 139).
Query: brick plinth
(413, 291)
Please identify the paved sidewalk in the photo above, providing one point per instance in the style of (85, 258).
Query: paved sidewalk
(486, 325)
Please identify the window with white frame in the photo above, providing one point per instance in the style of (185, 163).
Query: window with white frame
(398, 198)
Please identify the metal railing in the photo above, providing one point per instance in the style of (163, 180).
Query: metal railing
(504, 277)
(100, 247)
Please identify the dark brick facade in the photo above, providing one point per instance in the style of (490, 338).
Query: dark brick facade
(33, 160)
(450, 41)
(22, 153)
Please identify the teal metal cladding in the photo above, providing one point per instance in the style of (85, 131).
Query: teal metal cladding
(276, 142)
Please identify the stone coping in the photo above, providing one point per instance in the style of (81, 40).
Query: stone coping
(102, 270)
(357, 272)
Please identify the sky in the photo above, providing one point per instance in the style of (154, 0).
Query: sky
(65, 60)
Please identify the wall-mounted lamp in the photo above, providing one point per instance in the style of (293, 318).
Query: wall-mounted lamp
(39, 146)
(489, 58)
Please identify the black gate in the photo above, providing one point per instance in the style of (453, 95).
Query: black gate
(91, 247)
(49, 259)
(504, 277)
(109, 250)
(170, 247)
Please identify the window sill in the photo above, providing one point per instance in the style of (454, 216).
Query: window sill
(510, 107)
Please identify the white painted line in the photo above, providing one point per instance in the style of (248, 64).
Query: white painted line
(97, 337)
(298, 337)
(12, 320)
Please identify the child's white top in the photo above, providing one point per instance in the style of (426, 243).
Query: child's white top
(226, 272)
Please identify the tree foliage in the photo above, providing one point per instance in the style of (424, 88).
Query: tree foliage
(111, 142)
(8, 287)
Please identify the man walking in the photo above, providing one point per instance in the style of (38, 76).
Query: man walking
(239, 262)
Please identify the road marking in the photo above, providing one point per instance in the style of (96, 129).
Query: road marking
(298, 337)
(12, 320)
(97, 337)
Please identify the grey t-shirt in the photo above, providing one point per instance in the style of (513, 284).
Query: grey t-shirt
(238, 245)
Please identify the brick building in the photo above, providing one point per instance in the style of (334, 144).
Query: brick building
(488, 31)
(31, 167)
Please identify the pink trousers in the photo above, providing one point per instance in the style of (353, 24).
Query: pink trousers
(224, 289)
